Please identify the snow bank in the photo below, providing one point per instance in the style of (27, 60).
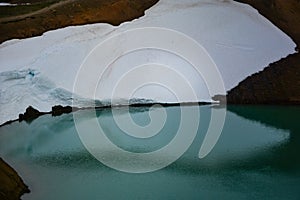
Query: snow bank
(41, 71)
(6, 4)
(13, 4)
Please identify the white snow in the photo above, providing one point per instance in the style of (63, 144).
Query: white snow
(13, 4)
(41, 71)
(6, 4)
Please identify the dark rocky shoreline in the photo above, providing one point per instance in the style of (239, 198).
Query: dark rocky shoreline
(31, 113)
(277, 84)
(12, 186)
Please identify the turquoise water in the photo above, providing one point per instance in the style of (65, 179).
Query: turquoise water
(256, 157)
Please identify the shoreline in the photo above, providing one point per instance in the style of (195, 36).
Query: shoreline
(57, 110)
(12, 186)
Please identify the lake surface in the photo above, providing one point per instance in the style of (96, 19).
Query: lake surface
(256, 157)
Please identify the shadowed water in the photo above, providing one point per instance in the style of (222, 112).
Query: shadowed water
(256, 157)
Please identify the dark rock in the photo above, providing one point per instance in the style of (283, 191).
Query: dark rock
(12, 186)
(277, 84)
(59, 110)
(30, 114)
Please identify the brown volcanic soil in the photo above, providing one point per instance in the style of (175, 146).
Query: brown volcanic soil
(57, 14)
(279, 83)
(12, 186)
